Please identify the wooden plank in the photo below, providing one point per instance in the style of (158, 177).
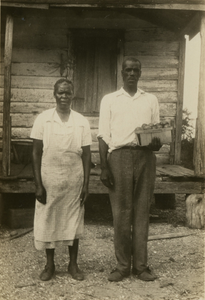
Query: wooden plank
(96, 187)
(157, 61)
(32, 82)
(21, 55)
(199, 147)
(161, 48)
(158, 85)
(178, 187)
(48, 83)
(39, 41)
(175, 171)
(50, 69)
(24, 133)
(167, 2)
(23, 5)
(43, 95)
(150, 34)
(166, 109)
(178, 6)
(7, 96)
(177, 158)
(27, 119)
(159, 73)
(30, 95)
(34, 69)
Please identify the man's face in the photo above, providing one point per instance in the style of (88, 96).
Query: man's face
(64, 96)
(131, 74)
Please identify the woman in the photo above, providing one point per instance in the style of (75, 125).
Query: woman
(61, 163)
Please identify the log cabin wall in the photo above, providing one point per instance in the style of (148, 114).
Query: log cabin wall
(44, 50)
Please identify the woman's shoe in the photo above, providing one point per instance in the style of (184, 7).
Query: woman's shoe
(76, 273)
(47, 273)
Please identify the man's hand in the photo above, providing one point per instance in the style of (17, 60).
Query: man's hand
(41, 194)
(155, 145)
(107, 178)
(84, 195)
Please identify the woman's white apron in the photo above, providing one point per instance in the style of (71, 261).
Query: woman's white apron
(62, 218)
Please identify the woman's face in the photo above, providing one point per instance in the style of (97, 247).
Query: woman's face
(64, 96)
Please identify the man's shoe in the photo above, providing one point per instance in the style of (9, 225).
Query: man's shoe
(47, 273)
(145, 275)
(116, 276)
(76, 274)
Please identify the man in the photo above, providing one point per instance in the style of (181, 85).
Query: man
(128, 169)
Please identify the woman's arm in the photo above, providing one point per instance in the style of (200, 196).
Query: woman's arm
(36, 159)
(86, 158)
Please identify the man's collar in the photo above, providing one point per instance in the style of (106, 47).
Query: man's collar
(123, 92)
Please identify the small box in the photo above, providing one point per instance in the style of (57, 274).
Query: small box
(20, 218)
(145, 136)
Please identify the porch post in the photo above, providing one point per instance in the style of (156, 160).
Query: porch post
(199, 146)
(6, 143)
(182, 48)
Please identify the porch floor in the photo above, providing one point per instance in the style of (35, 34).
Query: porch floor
(170, 179)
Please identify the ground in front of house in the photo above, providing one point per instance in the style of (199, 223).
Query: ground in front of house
(178, 263)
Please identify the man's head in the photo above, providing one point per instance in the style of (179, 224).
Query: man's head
(131, 72)
(63, 92)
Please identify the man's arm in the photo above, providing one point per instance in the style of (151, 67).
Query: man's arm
(106, 175)
(86, 158)
(36, 159)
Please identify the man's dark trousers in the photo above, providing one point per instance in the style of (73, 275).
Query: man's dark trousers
(134, 172)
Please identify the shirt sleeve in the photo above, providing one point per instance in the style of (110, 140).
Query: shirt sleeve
(155, 111)
(104, 121)
(86, 137)
(37, 129)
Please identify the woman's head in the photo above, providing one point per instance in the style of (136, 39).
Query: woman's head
(60, 81)
(63, 92)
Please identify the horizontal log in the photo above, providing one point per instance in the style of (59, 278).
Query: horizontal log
(21, 55)
(151, 48)
(32, 82)
(39, 41)
(157, 61)
(30, 95)
(30, 55)
(162, 158)
(94, 147)
(96, 187)
(27, 120)
(54, 70)
(150, 34)
(165, 109)
(43, 95)
(159, 73)
(33, 69)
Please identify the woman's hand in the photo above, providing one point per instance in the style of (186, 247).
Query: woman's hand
(41, 194)
(84, 195)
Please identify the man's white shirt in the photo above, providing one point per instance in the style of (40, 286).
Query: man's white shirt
(121, 114)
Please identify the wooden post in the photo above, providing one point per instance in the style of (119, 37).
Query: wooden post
(6, 145)
(1, 208)
(177, 159)
(120, 57)
(195, 205)
(199, 146)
